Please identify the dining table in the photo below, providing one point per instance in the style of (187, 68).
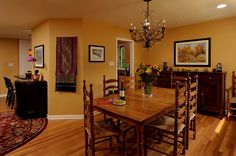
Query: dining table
(139, 109)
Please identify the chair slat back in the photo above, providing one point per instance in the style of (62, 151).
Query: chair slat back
(6, 80)
(180, 104)
(110, 86)
(233, 84)
(180, 79)
(10, 85)
(88, 111)
(192, 95)
(130, 82)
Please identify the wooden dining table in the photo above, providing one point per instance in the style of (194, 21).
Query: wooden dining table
(139, 109)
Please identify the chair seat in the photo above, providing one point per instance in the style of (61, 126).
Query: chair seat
(171, 113)
(166, 123)
(232, 100)
(105, 128)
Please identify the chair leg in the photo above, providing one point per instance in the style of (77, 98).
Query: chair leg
(194, 128)
(187, 134)
(124, 144)
(8, 96)
(184, 141)
(11, 100)
(86, 144)
(110, 142)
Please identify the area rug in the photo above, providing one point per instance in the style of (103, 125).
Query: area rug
(15, 131)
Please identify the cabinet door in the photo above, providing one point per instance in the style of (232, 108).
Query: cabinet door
(31, 99)
(164, 80)
(208, 99)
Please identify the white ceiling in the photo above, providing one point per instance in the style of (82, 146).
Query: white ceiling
(18, 17)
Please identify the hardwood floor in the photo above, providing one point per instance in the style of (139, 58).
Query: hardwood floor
(215, 137)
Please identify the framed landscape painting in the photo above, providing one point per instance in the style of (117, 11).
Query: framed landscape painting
(195, 52)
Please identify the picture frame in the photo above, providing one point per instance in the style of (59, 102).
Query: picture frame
(196, 52)
(39, 55)
(96, 53)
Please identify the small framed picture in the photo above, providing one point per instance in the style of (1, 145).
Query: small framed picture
(96, 53)
(39, 55)
(195, 52)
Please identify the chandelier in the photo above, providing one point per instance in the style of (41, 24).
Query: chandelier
(150, 33)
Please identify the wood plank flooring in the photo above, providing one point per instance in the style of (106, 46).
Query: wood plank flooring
(66, 138)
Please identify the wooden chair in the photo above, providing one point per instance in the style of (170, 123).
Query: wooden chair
(181, 80)
(167, 130)
(126, 128)
(110, 86)
(96, 132)
(130, 82)
(192, 87)
(7, 86)
(231, 98)
(10, 99)
(191, 108)
(175, 78)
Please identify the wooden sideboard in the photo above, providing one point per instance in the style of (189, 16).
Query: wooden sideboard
(31, 98)
(211, 90)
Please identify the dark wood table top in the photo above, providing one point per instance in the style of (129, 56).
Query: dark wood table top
(139, 107)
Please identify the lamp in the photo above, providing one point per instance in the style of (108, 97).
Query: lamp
(150, 33)
(32, 59)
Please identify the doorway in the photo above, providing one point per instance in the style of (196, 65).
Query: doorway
(124, 57)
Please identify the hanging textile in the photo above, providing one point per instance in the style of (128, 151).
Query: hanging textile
(66, 64)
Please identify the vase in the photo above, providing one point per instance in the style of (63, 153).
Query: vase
(147, 89)
(165, 67)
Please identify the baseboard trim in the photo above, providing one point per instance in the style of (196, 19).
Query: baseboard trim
(68, 117)
(65, 117)
(3, 95)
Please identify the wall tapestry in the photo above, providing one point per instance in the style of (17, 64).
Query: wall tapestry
(66, 64)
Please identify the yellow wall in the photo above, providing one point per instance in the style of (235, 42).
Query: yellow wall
(87, 32)
(221, 32)
(8, 54)
(223, 45)
(40, 36)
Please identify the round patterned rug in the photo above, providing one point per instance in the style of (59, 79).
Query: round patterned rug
(15, 131)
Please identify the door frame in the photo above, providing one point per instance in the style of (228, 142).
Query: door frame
(131, 54)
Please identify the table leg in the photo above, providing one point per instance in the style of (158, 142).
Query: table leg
(140, 140)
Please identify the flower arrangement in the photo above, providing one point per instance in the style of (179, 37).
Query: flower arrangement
(148, 72)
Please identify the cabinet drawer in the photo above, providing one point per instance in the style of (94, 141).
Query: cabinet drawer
(210, 78)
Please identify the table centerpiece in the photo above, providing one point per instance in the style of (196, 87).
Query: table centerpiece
(148, 73)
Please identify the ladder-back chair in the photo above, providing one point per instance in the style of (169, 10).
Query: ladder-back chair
(231, 98)
(99, 131)
(167, 130)
(110, 86)
(192, 107)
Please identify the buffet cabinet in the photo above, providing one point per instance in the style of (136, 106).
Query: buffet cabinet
(211, 90)
(31, 98)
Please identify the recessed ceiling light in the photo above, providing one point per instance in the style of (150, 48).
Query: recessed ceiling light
(220, 6)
